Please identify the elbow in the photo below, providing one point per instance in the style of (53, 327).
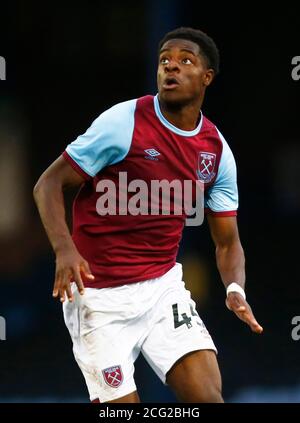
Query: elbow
(37, 189)
(48, 184)
(41, 186)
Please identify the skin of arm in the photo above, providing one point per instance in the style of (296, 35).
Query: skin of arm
(49, 198)
(231, 265)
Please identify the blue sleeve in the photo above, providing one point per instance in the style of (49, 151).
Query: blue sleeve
(223, 195)
(107, 141)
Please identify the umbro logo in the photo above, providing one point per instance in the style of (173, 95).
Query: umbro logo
(151, 154)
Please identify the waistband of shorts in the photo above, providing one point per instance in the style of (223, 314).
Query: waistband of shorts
(174, 272)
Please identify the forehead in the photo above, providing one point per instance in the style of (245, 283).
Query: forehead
(177, 43)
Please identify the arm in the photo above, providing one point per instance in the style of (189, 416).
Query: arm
(106, 142)
(231, 265)
(48, 195)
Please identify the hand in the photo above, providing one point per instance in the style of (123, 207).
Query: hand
(236, 303)
(70, 266)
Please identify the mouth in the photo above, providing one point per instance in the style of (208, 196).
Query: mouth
(170, 83)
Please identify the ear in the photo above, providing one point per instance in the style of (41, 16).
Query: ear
(208, 77)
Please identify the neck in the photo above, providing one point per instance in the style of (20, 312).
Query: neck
(185, 117)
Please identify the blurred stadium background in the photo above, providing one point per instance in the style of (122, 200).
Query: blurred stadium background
(68, 63)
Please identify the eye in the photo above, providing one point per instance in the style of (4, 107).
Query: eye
(164, 61)
(187, 61)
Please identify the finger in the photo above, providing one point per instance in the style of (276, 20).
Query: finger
(85, 268)
(241, 308)
(65, 280)
(62, 296)
(257, 328)
(55, 292)
(248, 317)
(69, 292)
(78, 281)
(254, 325)
(56, 284)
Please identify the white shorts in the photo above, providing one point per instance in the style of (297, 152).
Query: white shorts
(109, 327)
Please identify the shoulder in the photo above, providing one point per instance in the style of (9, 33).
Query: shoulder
(212, 130)
(222, 139)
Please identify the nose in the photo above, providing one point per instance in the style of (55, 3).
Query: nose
(172, 66)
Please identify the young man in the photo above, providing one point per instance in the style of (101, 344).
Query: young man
(124, 289)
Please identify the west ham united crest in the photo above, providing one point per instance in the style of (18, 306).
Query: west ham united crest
(113, 376)
(206, 166)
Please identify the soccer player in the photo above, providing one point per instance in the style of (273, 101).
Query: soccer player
(117, 276)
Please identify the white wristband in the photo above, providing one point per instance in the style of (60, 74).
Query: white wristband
(235, 287)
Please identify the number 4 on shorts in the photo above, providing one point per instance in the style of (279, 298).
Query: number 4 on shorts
(185, 319)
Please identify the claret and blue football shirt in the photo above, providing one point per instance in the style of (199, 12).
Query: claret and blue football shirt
(134, 137)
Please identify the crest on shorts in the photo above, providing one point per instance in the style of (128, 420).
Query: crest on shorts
(206, 166)
(113, 376)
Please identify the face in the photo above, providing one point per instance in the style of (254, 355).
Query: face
(182, 75)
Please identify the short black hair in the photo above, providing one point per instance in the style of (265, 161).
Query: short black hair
(206, 44)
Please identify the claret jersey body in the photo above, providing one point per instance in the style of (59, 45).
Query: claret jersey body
(134, 139)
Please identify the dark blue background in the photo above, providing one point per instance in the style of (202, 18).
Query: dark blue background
(68, 63)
